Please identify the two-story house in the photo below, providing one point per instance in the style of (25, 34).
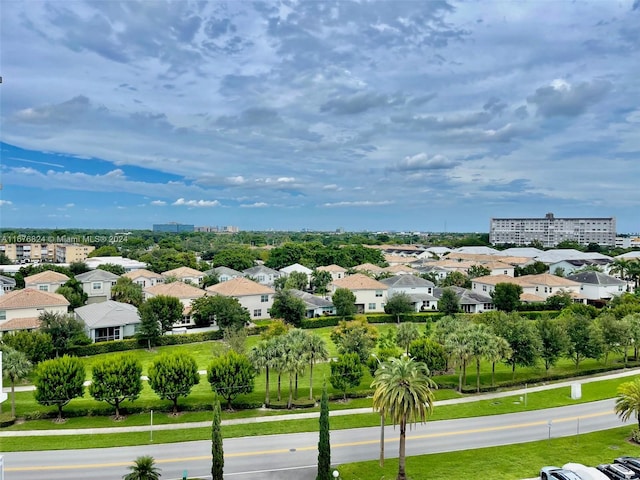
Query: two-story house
(21, 309)
(255, 297)
(182, 291)
(224, 273)
(420, 291)
(371, 295)
(186, 275)
(535, 288)
(598, 287)
(145, 278)
(337, 272)
(47, 281)
(261, 274)
(97, 284)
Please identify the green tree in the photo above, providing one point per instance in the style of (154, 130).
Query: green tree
(581, 339)
(448, 303)
(476, 271)
(4, 260)
(614, 333)
(324, 444)
(15, 367)
(172, 376)
(237, 257)
(344, 302)
(105, 251)
(76, 268)
(628, 401)
(115, 379)
(210, 279)
(356, 336)
(58, 381)
(297, 281)
(429, 352)
(320, 279)
(166, 311)
(125, 291)
(65, 331)
(112, 268)
(523, 340)
(559, 300)
(143, 468)
(553, 341)
(217, 452)
(230, 375)
(479, 336)
(458, 345)
(36, 345)
(316, 350)
(287, 306)
(72, 290)
(404, 391)
(506, 296)
(399, 304)
(264, 356)
(456, 279)
(346, 372)
(227, 312)
(407, 333)
(497, 350)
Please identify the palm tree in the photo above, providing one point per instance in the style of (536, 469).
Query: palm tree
(633, 271)
(620, 265)
(143, 468)
(403, 390)
(479, 338)
(628, 401)
(15, 366)
(458, 346)
(262, 356)
(316, 351)
(497, 349)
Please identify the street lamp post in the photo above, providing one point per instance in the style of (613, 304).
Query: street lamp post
(381, 461)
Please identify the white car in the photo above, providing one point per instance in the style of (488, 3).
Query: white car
(584, 472)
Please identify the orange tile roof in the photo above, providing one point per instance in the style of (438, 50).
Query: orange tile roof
(358, 281)
(368, 267)
(240, 287)
(332, 268)
(20, 324)
(142, 272)
(48, 276)
(30, 298)
(176, 289)
(181, 272)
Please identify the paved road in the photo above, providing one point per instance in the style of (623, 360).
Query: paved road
(294, 456)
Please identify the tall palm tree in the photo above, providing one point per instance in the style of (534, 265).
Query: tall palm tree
(15, 366)
(620, 266)
(479, 337)
(458, 346)
(143, 468)
(628, 401)
(633, 271)
(497, 349)
(404, 390)
(298, 340)
(316, 351)
(262, 357)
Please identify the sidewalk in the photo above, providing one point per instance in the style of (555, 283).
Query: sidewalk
(298, 416)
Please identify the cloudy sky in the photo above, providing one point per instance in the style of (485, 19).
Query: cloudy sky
(366, 115)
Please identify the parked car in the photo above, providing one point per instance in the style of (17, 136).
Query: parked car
(617, 471)
(632, 463)
(584, 472)
(557, 473)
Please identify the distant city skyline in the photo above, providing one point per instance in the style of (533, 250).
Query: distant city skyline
(367, 116)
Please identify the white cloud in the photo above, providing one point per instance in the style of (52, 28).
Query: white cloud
(158, 203)
(196, 203)
(5, 203)
(360, 203)
(255, 205)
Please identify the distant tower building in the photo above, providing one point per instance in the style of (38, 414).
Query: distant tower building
(550, 231)
(173, 227)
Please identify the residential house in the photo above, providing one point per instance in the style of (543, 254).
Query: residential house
(368, 268)
(316, 306)
(185, 274)
(182, 291)
(296, 267)
(21, 309)
(569, 267)
(433, 253)
(598, 287)
(418, 289)
(144, 278)
(337, 272)
(263, 275)
(255, 297)
(224, 273)
(6, 284)
(469, 301)
(371, 295)
(439, 273)
(97, 284)
(109, 320)
(400, 270)
(46, 281)
(535, 288)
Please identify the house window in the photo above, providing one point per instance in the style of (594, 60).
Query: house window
(484, 288)
(378, 293)
(264, 298)
(43, 288)
(107, 333)
(505, 272)
(257, 312)
(96, 286)
(3, 314)
(261, 278)
(372, 306)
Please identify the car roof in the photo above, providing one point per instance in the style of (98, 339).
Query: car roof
(584, 472)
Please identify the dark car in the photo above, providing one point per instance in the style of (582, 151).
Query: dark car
(557, 473)
(632, 463)
(617, 471)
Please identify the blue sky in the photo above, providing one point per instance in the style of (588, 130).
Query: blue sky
(366, 115)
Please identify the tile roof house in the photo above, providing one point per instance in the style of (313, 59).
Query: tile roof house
(46, 281)
(597, 286)
(534, 287)
(20, 309)
(337, 272)
(262, 274)
(224, 273)
(6, 284)
(144, 278)
(568, 267)
(371, 295)
(296, 267)
(255, 297)
(97, 284)
(419, 290)
(185, 274)
(182, 291)
(109, 320)
(316, 306)
(368, 268)
(469, 301)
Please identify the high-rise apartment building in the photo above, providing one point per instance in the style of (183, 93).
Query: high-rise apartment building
(550, 231)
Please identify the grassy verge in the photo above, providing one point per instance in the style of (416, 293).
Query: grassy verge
(507, 462)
